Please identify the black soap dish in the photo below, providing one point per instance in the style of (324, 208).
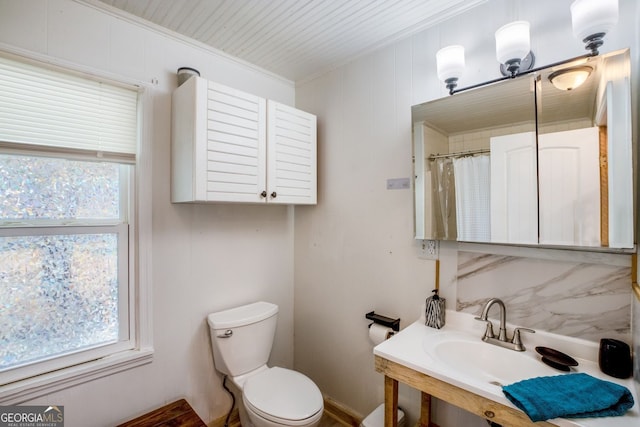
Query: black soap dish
(556, 359)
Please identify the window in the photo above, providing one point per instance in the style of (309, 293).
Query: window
(67, 220)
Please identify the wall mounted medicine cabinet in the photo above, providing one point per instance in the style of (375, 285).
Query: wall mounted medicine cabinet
(523, 162)
(232, 146)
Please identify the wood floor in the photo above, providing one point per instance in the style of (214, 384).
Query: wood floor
(328, 421)
(178, 413)
(181, 414)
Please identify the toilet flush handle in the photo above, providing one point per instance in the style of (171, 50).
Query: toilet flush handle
(227, 334)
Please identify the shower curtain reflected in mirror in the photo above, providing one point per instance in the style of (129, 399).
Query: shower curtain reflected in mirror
(461, 198)
(473, 201)
(444, 199)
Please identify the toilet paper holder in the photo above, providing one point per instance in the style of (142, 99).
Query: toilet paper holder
(383, 320)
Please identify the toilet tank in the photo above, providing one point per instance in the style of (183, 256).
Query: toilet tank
(242, 337)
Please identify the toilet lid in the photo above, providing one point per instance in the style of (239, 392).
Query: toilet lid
(283, 394)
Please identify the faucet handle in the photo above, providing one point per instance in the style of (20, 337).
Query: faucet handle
(489, 331)
(517, 341)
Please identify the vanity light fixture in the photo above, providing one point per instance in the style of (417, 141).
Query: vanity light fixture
(590, 19)
(570, 78)
(512, 47)
(450, 65)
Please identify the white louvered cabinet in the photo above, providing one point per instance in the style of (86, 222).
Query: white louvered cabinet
(231, 146)
(291, 155)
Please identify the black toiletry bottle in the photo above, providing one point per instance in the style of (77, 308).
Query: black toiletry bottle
(614, 358)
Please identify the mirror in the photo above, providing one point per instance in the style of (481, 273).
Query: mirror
(525, 162)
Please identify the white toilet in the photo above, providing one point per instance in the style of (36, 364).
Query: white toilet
(241, 339)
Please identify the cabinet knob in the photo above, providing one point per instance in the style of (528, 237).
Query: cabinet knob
(489, 414)
(263, 194)
(274, 195)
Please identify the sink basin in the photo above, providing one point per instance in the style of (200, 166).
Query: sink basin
(475, 359)
(457, 356)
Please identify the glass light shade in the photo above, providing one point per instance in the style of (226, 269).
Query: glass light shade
(589, 17)
(512, 41)
(450, 62)
(570, 78)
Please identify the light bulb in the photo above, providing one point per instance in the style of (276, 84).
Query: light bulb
(450, 62)
(589, 17)
(512, 43)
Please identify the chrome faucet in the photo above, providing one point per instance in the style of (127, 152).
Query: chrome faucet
(515, 343)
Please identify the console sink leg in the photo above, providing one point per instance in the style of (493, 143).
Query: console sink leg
(390, 402)
(425, 409)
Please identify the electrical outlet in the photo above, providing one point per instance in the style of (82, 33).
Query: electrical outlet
(429, 249)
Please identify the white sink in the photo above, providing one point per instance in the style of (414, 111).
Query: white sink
(474, 358)
(457, 355)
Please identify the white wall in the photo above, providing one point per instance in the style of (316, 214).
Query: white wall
(205, 258)
(354, 252)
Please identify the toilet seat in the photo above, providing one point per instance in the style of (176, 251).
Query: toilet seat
(283, 396)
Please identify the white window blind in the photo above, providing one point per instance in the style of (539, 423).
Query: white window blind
(56, 111)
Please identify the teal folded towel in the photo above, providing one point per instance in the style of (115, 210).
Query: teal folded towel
(569, 396)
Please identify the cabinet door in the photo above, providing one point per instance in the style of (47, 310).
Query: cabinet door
(569, 187)
(291, 156)
(514, 190)
(236, 146)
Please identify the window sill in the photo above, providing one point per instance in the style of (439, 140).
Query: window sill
(25, 390)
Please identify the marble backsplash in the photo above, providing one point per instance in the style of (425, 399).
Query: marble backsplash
(573, 298)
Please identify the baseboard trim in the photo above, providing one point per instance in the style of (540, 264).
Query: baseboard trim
(336, 411)
(341, 414)
(234, 420)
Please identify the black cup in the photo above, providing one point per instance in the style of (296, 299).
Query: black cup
(614, 358)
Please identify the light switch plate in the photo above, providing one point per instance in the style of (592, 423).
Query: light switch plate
(397, 183)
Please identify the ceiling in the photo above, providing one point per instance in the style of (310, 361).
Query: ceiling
(296, 39)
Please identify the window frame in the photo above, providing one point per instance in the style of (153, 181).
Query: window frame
(126, 316)
(138, 349)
